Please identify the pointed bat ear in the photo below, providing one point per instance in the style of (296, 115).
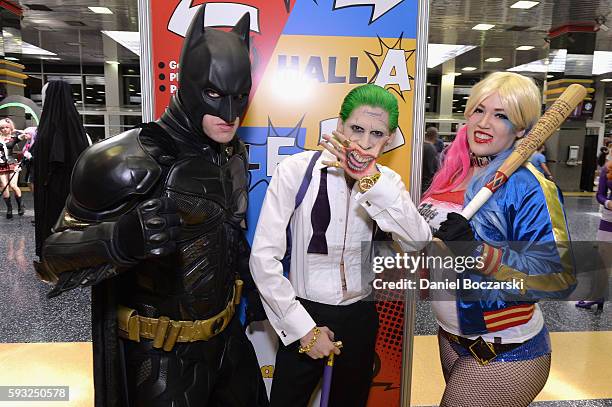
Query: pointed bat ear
(196, 28)
(243, 28)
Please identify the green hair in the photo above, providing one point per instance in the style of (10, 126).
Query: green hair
(371, 95)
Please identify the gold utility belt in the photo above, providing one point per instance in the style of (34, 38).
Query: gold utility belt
(165, 332)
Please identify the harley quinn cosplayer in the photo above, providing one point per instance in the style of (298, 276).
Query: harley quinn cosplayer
(495, 350)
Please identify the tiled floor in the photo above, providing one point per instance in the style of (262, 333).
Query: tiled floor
(582, 362)
(27, 315)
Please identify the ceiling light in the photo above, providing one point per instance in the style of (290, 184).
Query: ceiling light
(483, 27)
(555, 63)
(602, 62)
(494, 59)
(11, 58)
(525, 47)
(469, 68)
(550, 76)
(606, 80)
(525, 4)
(129, 39)
(29, 49)
(454, 73)
(50, 58)
(112, 62)
(439, 53)
(100, 10)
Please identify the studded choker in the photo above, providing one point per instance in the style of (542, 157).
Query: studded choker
(480, 161)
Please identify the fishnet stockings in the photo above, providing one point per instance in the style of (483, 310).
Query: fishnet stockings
(498, 384)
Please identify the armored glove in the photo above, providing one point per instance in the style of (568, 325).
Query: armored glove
(150, 230)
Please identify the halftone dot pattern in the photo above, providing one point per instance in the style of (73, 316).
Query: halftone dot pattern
(390, 308)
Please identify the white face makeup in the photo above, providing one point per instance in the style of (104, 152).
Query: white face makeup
(489, 130)
(368, 128)
(218, 130)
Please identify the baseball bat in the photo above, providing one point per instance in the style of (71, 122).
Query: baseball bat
(542, 130)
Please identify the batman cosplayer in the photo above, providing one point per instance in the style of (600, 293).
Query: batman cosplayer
(154, 223)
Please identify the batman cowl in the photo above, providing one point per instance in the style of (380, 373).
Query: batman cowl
(214, 79)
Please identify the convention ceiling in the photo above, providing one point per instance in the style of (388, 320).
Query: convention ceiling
(451, 22)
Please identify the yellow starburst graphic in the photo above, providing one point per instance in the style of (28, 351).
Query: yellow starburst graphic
(378, 58)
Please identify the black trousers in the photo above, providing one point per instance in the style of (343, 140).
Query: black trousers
(297, 375)
(220, 372)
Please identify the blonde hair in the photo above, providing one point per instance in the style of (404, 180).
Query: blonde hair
(519, 95)
(7, 122)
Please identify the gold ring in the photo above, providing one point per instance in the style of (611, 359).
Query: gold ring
(338, 344)
(346, 143)
(337, 164)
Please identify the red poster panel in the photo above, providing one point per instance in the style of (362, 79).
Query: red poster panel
(170, 20)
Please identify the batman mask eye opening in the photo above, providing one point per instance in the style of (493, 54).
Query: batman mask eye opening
(211, 93)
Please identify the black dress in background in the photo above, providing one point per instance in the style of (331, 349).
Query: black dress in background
(60, 140)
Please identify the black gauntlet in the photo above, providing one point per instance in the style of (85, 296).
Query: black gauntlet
(149, 231)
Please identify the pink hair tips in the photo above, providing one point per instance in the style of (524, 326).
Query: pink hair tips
(455, 167)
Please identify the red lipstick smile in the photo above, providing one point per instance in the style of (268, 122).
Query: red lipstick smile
(482, 137)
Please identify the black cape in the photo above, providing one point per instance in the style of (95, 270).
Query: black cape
(60, 140)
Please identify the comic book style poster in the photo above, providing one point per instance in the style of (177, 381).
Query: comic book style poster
(307, 55)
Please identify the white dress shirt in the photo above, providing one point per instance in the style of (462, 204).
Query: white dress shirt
(317, 277)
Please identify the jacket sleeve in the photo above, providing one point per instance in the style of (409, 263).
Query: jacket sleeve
(537, 253)
(389, 204)
(602, 188)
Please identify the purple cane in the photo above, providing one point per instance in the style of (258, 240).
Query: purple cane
(327, 376)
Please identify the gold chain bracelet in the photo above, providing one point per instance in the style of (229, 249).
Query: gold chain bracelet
(305, 349)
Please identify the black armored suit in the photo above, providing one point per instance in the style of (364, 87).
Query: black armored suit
(155, 224)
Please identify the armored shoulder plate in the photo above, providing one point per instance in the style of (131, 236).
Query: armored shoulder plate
(110, 177)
